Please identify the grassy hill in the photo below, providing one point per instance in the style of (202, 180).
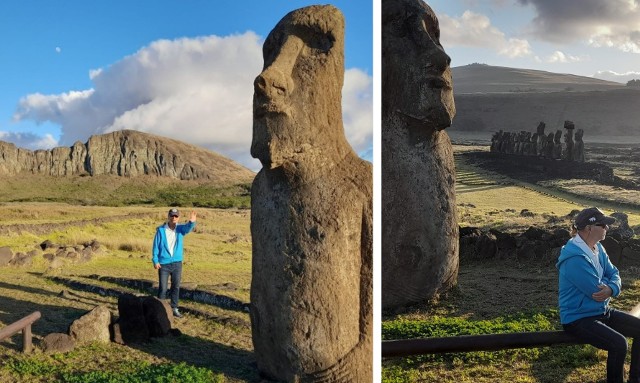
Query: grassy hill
(482, 78)
(497, 98)
(108, 190)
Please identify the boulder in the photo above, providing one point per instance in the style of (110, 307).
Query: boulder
(6, 255)
(93, 326)
(48, 245)
(158, 316)
(56, 343)
(614, 250)
(132, 322)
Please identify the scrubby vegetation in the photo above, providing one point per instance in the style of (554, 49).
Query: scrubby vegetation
(123, 191)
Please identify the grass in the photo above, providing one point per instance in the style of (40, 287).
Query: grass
(497, 296)
(106, 190)
(218, 252)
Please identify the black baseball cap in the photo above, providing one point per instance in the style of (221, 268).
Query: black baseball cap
(592, 216)
(174, 212)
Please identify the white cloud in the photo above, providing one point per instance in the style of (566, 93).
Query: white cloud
(617, 77)
(563, 58)
(29, 140)
(197, 90)
(475, 30)
(58, 50)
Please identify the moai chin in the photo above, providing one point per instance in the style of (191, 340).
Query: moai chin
(419, 223)
(311, 211)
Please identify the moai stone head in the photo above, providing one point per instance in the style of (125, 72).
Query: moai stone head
(540, 128)
(297, 97)
(415, 67)
(558, 137)
(578, 135)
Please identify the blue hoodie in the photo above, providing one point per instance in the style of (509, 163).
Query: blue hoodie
(161, 253)
(578, 279)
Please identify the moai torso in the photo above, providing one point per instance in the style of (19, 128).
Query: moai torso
(578, 146)
(311, 211)
(419, 223)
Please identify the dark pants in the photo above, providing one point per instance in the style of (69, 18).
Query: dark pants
(175, 270)
(608, 332)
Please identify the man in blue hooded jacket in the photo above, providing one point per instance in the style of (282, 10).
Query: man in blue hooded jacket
(587, 281)
(168, 254)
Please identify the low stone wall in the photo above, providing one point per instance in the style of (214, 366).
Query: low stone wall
(536, 244)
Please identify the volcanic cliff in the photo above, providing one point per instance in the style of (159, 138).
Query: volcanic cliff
(125, 153)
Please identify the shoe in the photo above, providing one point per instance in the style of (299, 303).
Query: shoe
(176, 313)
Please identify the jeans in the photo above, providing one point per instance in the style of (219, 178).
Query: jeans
(175, 270)
(608, 332)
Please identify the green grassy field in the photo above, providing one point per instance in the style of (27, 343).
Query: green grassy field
(217, 256)
(496, 296)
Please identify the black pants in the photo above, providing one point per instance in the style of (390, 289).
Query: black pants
(608, 332)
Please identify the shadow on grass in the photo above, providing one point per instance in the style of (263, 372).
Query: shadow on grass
(232, 362)
(555, 364)
(12, 310)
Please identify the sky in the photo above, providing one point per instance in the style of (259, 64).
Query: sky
(180, 69)
(594, 38)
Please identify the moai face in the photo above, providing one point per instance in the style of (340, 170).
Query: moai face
(414, 62)
(297, 97)
(578, 135)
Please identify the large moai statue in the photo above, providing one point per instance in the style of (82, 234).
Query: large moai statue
(419, 222)
(548, 147)
(495, 141)
(557, 145)
(568, 141)
(578, 146)
(542, 139)
(527, 144)
(311, 211)
(534, 144)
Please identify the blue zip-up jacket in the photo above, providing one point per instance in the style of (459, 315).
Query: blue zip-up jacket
(578, 279)
(161, 253)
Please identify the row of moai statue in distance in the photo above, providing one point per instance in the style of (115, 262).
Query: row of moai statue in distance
(540, 144)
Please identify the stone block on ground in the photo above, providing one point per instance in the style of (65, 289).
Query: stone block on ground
(132, 322)
(93, 326)
(158, 316)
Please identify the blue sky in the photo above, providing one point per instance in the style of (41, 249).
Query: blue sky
(592, 38)
(182, 69)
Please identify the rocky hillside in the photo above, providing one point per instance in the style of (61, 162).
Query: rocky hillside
(125, 153)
